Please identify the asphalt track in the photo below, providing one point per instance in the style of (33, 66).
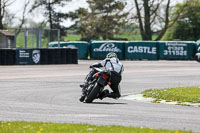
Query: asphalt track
(50, 93)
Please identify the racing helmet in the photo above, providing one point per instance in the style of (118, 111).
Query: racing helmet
(111, 55)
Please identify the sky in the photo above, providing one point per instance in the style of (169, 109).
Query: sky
(37, 16)
(17, 9)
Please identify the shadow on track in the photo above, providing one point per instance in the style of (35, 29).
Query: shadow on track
(109, 103)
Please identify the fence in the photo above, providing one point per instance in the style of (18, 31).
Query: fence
(35, 38)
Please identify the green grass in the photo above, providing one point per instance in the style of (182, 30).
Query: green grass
(129, 37)
(31, 41)
(39, 127)
(72, 37)
(180, 94)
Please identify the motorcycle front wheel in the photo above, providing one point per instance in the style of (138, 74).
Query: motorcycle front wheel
(93, 94)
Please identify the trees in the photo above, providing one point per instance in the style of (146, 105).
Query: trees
(23, 19)
(3, 5)
(187, 26)
(103, 19)
(154, 14)
(9, 17)
(54, 18)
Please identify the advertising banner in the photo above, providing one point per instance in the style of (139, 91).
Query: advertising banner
(99, 49)
(82, 47)
(27, 56)
(141, 50)
(177, 50)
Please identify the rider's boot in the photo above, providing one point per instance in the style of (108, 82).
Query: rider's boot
(103, 94)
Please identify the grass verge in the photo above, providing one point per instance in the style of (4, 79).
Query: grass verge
(179, 94)
(39, 127)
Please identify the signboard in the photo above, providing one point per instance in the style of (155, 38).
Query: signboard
(141, 50)
(177, 50)
(27, 56)
(99, 49)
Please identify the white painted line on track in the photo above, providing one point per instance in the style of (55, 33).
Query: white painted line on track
(139, 97)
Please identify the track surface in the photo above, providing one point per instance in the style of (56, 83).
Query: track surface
(50, 93)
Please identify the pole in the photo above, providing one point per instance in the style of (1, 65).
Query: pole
(37, 35)
(58, 38)
(40, 38)
(25, 37)
(15, 39)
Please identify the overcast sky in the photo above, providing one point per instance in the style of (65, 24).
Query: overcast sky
(17, 9)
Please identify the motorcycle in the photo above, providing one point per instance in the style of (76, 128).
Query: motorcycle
(197, 57)
(96, 85)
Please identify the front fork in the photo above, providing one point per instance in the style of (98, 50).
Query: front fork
(87, 89)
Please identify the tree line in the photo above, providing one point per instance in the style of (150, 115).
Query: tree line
(105, 18)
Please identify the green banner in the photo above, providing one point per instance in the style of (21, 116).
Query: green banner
(27, 56)
(83, 47)
(141, 50)
(177, 50)
(99, 49)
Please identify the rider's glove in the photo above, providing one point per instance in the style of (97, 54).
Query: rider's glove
(96, 65)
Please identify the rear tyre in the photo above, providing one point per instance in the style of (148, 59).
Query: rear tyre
(93, 94)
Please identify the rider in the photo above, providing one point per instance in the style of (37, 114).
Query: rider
(112, 63)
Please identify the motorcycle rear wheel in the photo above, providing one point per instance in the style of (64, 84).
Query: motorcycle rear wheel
(93, 94)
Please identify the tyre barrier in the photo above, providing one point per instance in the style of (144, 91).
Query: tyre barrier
(128, 50)
(182, 50)
(135, 50)
(145, 50)
(83, 47)
(99, 49)
(7, 57)
(142, 50)
(41, 56)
